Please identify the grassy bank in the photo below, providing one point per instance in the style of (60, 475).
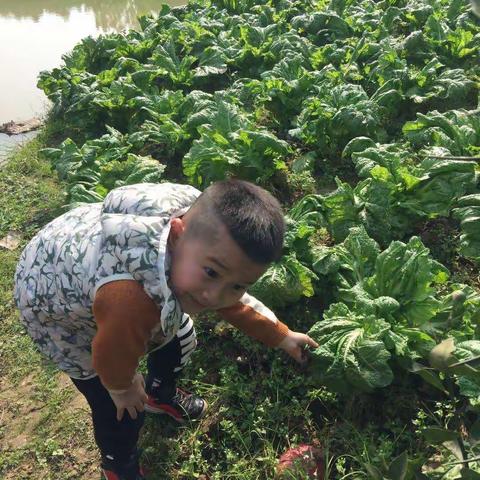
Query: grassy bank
(42, 432)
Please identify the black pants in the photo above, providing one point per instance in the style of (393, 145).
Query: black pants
(118, 439)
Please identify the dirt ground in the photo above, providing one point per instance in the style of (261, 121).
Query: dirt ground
(23, 418)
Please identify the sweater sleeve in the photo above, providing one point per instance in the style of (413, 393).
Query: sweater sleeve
(125, 317)
(254, 319)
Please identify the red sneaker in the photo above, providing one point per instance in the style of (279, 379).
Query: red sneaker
(182, 407)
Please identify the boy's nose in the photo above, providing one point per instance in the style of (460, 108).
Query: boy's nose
(211, 297)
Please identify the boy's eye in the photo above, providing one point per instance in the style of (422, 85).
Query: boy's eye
(239, 287)
(210, 272)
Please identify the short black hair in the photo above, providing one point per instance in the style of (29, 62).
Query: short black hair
(253, 217)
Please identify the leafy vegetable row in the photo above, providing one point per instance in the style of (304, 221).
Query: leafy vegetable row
(373, 104)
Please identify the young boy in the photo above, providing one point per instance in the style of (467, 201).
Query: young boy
(106, 283)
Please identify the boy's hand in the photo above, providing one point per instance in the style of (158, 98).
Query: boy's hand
(132, 400)
(293, 344)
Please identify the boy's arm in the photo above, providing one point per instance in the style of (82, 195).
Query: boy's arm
(256, 320)
(125, 317)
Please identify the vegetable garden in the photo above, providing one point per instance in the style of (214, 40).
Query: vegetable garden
(363, 118)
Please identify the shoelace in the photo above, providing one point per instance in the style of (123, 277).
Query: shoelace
(182, 398)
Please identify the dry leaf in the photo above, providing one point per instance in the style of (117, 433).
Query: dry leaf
(11, 241)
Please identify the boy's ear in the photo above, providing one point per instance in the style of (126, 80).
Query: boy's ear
(177, 229)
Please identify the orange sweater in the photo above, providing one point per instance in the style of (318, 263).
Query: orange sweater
(126, 316)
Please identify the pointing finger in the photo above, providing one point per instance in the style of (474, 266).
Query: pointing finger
(312, 342)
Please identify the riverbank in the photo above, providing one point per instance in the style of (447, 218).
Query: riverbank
(8, 144)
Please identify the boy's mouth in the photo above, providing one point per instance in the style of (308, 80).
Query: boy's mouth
(197, 303)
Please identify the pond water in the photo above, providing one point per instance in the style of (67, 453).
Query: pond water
(34, 34)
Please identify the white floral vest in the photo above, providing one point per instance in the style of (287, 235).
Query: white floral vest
(59, 271)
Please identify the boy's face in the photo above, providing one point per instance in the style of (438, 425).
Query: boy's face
(209, 275)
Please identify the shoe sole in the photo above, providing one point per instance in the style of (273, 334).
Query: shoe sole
(171, 412)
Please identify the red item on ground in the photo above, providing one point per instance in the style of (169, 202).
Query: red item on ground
(303, 462)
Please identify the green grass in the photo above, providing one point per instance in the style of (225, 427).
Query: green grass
(30, 199)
